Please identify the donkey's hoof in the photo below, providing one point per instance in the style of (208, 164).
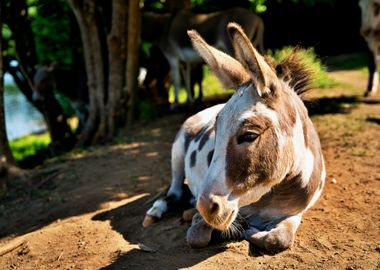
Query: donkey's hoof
(188, 214)
(149, 220)
(369, 93)
(198, 237)
(199, 234)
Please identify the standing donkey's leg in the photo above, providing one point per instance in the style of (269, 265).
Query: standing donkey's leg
(187, 78)
(175, 69)
(278, 238)
(373, 82)
(175, 191)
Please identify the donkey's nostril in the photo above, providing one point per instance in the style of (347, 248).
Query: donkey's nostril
(214, 208)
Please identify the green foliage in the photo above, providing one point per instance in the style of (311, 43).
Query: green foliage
(65, 103)
(9, 45)
(51, 28)
(147, 110)
(258, 5)
(29, 145)
(320, 77)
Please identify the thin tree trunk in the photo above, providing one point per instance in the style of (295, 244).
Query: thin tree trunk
(116, 56)
(85, 13)
(134, 24)
(6, 156)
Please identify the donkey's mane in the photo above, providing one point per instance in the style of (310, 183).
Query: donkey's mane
(294, 70)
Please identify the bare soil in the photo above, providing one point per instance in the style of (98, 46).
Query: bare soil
(84, 210)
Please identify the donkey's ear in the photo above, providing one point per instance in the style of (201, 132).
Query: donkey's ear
(228, 70)
(251, 59)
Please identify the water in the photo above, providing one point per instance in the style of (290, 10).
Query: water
(21, 117)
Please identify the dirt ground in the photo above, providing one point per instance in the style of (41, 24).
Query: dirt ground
(84, 210)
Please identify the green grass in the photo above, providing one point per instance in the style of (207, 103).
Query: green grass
(29, 145)
(320, 77)
(211, 87)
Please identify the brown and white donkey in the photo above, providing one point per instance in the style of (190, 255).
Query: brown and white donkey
(254, 165)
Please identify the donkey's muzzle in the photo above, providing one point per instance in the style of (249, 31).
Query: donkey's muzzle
(216, 211)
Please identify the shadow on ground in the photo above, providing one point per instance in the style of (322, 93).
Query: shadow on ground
(165, 238)
(341, 105)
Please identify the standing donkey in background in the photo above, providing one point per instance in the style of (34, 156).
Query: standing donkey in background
(254, 165)
(370, 30)
(169, 31)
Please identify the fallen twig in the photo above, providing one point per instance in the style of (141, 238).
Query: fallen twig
(12, 246)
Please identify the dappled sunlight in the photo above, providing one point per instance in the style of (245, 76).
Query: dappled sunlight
(143, 178)
(152, 154)
(156, 132)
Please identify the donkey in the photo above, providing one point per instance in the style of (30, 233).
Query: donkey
(175, 45)
(370, 30)
(71, 83)
(158, 76)
(253, 165)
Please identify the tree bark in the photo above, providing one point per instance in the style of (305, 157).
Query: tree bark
(116, 41)
(85, 13)
(134, 25)
(6, 156)
(16, 17)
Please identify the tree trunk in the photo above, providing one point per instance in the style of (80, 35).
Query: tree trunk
(16, 17)
(85, 13)
(5, 151)
(116, 41)
(134, 24)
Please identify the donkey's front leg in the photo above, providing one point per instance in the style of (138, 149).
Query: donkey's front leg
(176, 190)
(199, 234)
(278, 238)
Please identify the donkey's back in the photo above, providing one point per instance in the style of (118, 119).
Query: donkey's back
(212, 26)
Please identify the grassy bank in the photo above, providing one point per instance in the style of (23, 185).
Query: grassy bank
(29, 145)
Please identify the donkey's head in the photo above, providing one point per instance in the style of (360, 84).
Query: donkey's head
(43, 81)
(370, 25)
(259, 132)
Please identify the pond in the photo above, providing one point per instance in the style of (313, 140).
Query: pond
(21, 117)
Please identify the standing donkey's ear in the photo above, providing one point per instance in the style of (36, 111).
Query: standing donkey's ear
(228, 70)
(251, 59)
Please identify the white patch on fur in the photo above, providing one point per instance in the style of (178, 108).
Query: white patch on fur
(197, 175)
(307, 164)
(303, 157)
(159, 207)
(264, 110)
(319, 190)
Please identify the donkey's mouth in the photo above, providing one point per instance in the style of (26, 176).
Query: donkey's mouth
(222, 222)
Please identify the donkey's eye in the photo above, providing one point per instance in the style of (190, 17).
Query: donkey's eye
(247, 137)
